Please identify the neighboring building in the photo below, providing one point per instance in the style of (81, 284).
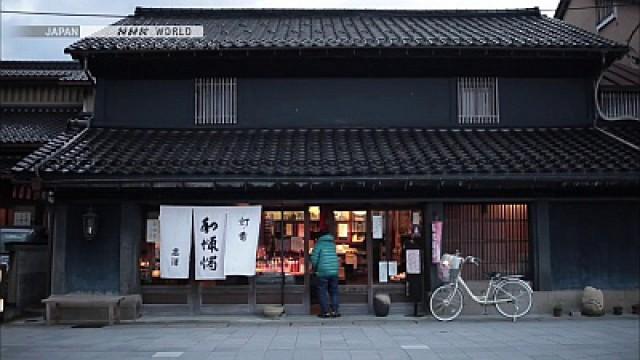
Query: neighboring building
(391, 118)
(37, 100)
(618, 20)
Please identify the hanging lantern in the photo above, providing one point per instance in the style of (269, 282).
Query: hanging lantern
(90, 224)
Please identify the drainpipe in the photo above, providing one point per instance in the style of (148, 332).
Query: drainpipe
(85, 68)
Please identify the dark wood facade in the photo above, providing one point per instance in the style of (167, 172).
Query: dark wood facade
(371, 129)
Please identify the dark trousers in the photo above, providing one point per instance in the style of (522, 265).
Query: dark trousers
(330, 285)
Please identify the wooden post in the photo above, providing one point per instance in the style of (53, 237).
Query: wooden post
(130, 232)
(541, 247)
(307, 276)
(59, 239)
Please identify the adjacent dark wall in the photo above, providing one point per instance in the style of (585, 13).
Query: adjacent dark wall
(144, 103)
(545, 102)
(595, 244)
(342, 102)
(93, 266)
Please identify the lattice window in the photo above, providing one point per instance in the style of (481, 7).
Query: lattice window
(478, 101)
(216, 101)
(496, 233)
(605, 12)
(620, 103)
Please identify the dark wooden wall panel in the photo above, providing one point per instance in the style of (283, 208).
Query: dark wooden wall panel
(595, 244)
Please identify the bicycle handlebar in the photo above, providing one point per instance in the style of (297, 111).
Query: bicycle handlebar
(473, 260)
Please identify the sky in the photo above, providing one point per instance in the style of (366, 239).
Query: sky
(13, 47)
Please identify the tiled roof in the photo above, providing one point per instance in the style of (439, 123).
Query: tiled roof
(249, 29)
(521, 154)
(65, 71)
(31, 126)
(627, 130)
(7, 161)
(621, 75)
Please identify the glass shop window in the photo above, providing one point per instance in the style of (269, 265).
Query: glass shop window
(281, 247)
(496, 233)
(351, 246)
(391, 230)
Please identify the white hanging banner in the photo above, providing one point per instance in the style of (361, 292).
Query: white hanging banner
(175, 241)
(241, 240)
(209, 224)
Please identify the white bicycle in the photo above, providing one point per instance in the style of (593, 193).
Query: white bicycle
(511, 296)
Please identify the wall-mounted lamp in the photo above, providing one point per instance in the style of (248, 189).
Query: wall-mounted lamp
(50, 197)
(90, 224)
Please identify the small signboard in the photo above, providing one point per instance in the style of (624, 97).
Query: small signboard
(377, 222)
(413, 261)
(22, 218)
(153, 230)
(387, 269)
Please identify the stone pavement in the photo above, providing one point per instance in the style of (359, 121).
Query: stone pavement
(309, 339)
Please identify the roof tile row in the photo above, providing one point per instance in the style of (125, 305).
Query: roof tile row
(304, 153)
(259, 29)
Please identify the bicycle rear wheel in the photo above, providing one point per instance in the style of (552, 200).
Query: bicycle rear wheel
(513, 298)
(446, 302)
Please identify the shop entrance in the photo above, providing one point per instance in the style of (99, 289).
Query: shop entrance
(369, 244)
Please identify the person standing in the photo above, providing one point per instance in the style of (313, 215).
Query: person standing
(325, 264)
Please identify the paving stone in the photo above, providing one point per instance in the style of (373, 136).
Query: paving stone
(470, 340)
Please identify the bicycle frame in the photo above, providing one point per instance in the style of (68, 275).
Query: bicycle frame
(481, 299)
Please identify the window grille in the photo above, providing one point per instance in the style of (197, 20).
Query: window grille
(497, 233)
(216, 101)
(605, 12)
(620, 103)
(478, 101)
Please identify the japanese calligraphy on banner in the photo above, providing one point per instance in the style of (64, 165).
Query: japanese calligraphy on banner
(175, 241)
(219, 233)
(436, 241)
(241, 241)
(209, 224)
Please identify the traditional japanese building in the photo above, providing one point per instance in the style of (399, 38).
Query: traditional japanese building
(38, 101)
(619, 88)
(392, 119)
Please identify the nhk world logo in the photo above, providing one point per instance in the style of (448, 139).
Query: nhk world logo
(151, 31)
(116, 31)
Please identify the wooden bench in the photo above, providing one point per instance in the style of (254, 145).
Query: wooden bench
(55, 302)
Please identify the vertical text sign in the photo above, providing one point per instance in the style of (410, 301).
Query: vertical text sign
(175, 241)
(209, 227)
(243, 229)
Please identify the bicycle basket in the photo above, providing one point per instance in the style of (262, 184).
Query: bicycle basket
(447, 275)
(451, 261)
(449, 267)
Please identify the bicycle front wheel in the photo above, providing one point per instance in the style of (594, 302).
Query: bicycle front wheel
(446, 302)
(513, 298)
